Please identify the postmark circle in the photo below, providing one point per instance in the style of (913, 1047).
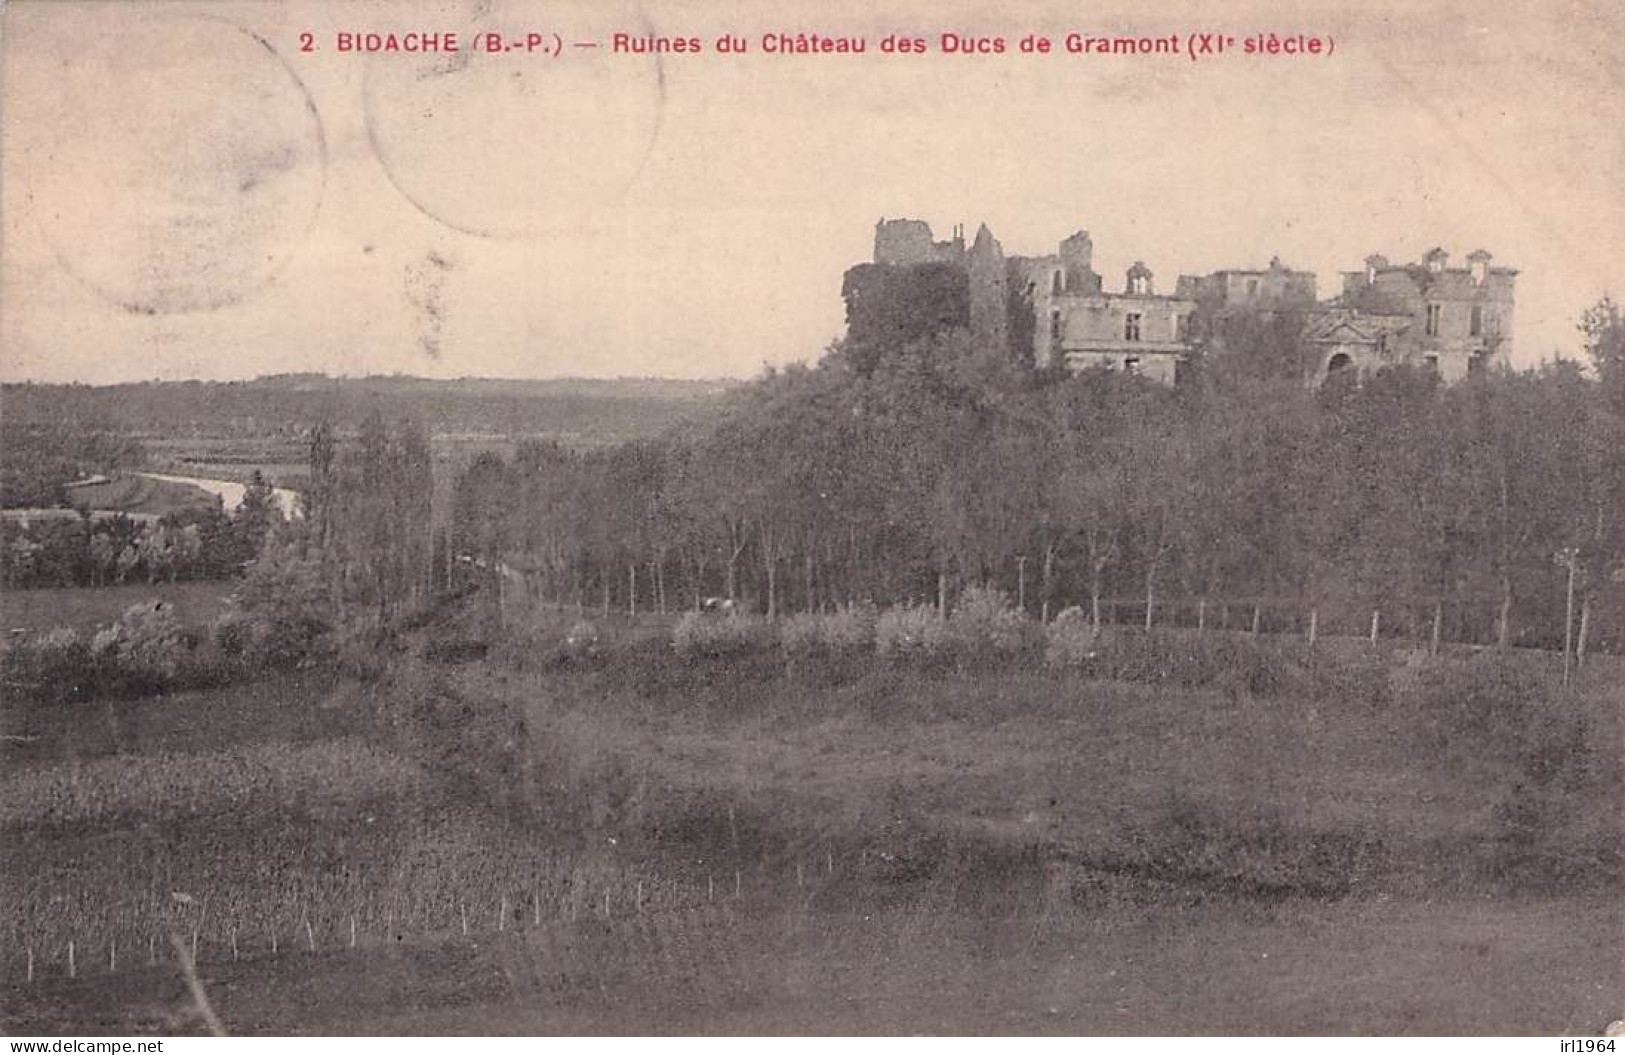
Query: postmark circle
(515, 142)
(179, 165)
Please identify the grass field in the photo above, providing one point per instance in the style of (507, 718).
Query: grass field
(85, 608)
(136, 493)
(643, 846)
(1443, 968)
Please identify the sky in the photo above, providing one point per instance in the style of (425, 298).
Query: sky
(187, 192)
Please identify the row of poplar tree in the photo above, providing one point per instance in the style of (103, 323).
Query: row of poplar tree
(912, 471)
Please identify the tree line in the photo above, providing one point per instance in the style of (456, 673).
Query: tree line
(914, 468)
(88, 550)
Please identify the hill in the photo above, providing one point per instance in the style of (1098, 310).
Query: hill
(226, 430)
(589, 410)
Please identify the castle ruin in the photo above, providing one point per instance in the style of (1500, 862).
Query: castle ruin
(1056, 309)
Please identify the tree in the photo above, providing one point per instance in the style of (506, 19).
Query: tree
(1603, 328)
(254, 517)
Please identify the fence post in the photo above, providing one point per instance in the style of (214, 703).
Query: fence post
(72, 969)
(1438, 628)
(1201, 615)
(112, 955)
(1585, 627)
(1376, 622)
(1314, 625)
(1257, 619)
(1569, 557)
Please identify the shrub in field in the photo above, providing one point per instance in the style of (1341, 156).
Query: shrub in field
(984, 624)
(698, 635)
(801, 634)
(1534, 749)
(1069, 641)
(844, 632)
(582, 639)
(1239, 665)
(146, 649)
(230, 633)
(56, 665)
(1361, 679)
(356, 645)
(1494, 708)
(1249, 849)
(911, 632)
(282, 608)
(261, 640)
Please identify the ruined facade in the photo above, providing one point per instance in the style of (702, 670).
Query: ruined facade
(1079, 323)
(909, 242)
(1275, 288)
(1070, 318)
(1057, 308)
(1455, 321)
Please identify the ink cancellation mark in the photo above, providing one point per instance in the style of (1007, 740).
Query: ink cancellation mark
(502, 150)
(201, 208)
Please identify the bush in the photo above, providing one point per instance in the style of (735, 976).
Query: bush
(911, 632)
(357, 647)
(230, 633)
(1489, 707)
(984, 624)
(1239, 665)
(1365, 678)
(1069, 641)
(281, 612)
(706, 636)
(56, 665)
(262, 640)
(582, 639)
(1532, 748)
(845, 632)
(146, 649)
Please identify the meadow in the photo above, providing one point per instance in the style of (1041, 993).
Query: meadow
(629, 840)
(84, 609)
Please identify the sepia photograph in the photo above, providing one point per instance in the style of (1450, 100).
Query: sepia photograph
(692, 518)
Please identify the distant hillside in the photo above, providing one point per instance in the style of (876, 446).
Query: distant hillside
(575, 411)
(228, 430)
